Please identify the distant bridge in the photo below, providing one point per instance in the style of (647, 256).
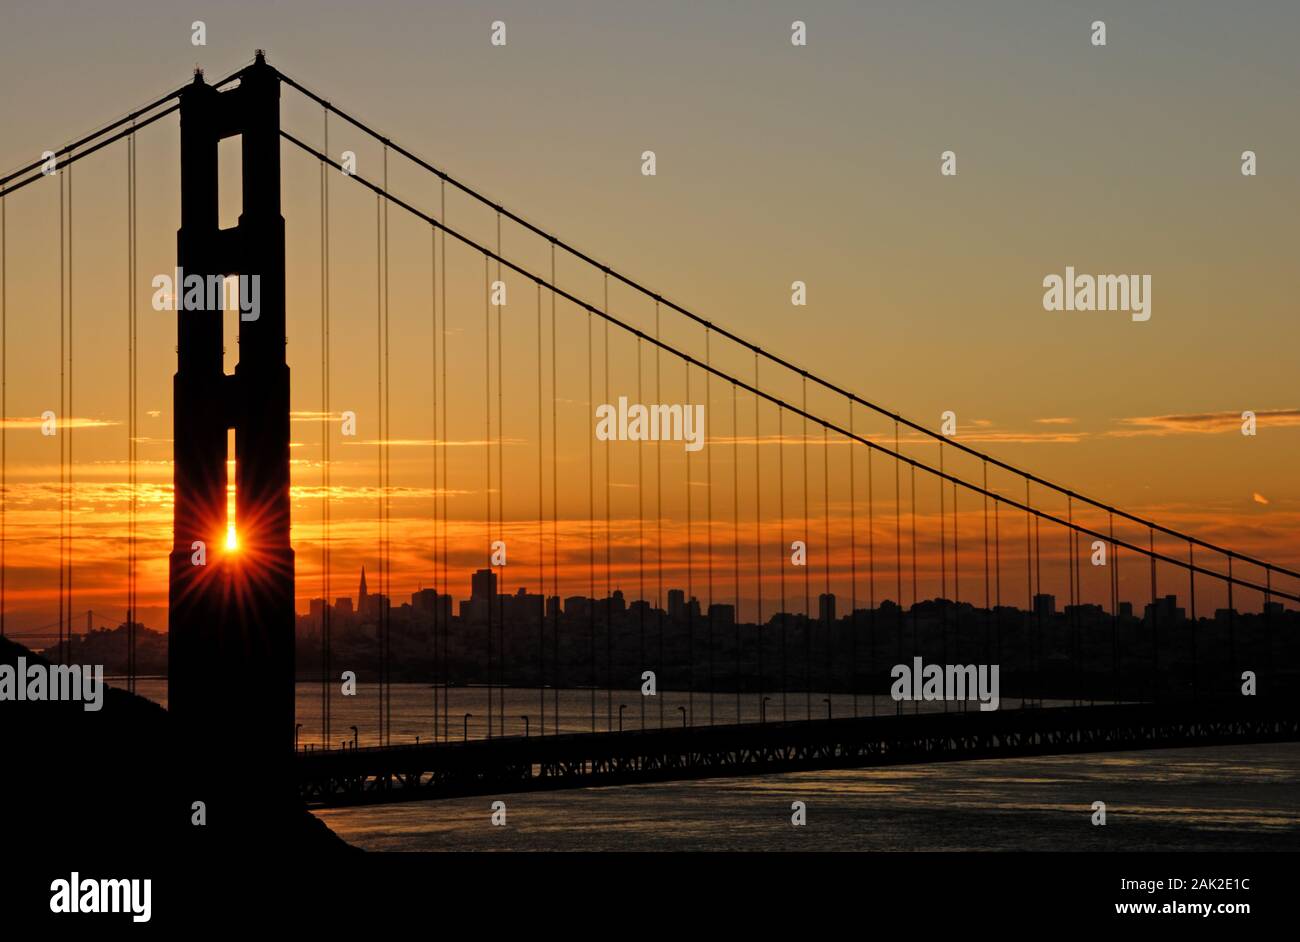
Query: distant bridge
(581, 760)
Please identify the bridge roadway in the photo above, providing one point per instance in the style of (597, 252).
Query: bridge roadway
(579, 760)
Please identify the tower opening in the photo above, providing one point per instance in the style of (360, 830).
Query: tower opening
(232, 537)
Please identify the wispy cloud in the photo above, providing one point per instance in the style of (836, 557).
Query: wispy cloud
(1201, 423)
(982, 434)
(36, 422)
(1000, 436)
(1026, 437)
(426, 442)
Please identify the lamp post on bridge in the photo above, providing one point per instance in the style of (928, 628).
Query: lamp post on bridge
(762, 710)
(827, 701)
(621, 708)
(683, 709)
(355, 737)
(295, 736)
(525, 719)
(467, 716)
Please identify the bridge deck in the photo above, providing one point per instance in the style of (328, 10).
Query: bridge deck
(518, 764)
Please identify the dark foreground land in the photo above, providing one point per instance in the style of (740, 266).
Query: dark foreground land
(84, 785)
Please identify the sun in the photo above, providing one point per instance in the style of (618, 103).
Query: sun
(232, 541)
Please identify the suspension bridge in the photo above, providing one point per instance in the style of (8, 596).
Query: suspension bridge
(816, 540)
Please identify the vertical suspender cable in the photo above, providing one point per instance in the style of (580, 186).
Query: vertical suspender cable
(541, 536)
(956, 577)
(133, 619)
(1029, 586)
(1073, 612)
(943, 560)
(388, 482)
(555, 507)
(63, 419)
(690, 581)
(327, 470)
(956, 591)
(807, 581)
(71, 407)
(439, 581)
(758, 544)
(1114, 612)
(708, 510)
(4, 408)
(487, 479)
(1076, 621)
(446, 579)
(1155, 618)
(1232, 626)
(640, 518)
(1038, 578)
(997, 574)
(501, 497)
(439, 663)
(853, 564)
(943, 542)
(379, 456)
(1268, 615)
(826, 553)
(131, 412)
(898, 550)
(988, 611)
(326, 419)
(997, 565)
(735, 531)
(785, 615)
(1191, 585)
(659, 513)
(1079, 616)
(915, 614)
(591, 533)
(871, 570)
(609, 589)
(956, 556)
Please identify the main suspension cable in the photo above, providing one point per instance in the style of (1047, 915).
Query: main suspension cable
(593, 310)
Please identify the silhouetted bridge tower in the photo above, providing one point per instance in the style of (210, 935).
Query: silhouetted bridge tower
(231, 619)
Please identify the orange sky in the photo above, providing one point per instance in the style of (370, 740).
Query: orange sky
(924, 292)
